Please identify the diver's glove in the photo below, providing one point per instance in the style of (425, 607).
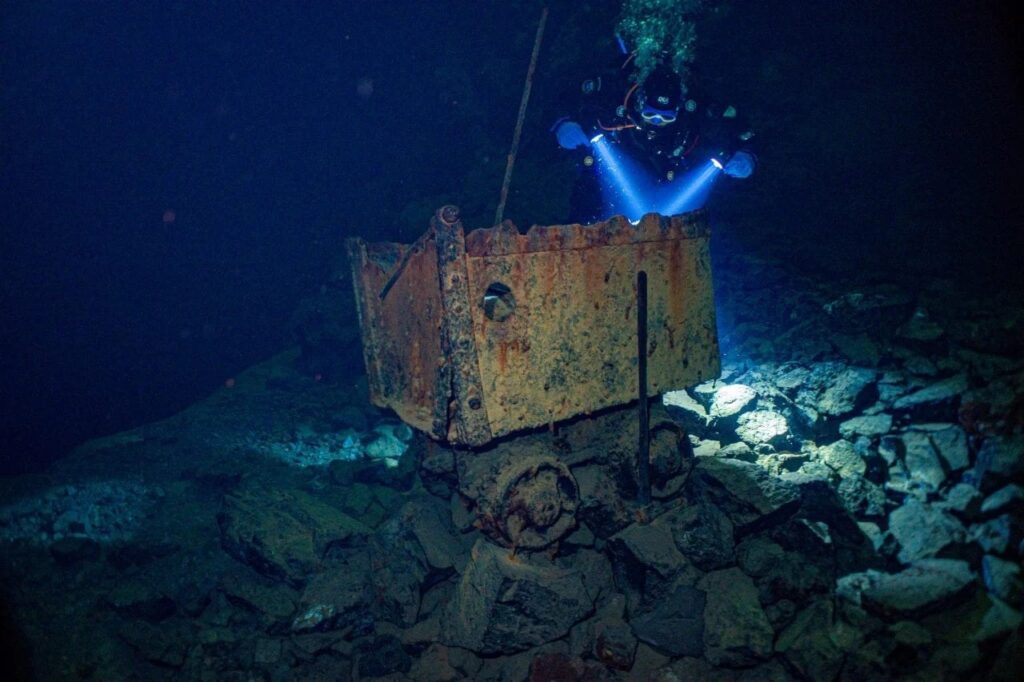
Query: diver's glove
(570, 134)
(741, 165)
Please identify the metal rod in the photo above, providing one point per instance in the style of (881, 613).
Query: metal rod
(499, 214)
(644, 449)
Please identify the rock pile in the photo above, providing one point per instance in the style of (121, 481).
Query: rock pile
(844, 503)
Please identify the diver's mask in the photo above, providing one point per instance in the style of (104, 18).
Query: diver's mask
(658, 117)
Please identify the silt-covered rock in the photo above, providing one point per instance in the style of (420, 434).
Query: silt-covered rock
(506, 604)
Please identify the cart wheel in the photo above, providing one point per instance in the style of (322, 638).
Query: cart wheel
(535, 503)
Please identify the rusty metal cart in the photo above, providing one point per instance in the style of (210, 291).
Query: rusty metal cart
(470, 337)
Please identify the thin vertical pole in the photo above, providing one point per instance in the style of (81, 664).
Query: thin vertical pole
(644, 449)
(499, 214)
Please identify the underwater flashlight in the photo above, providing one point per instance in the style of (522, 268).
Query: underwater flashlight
(716, 163)
(596, 138)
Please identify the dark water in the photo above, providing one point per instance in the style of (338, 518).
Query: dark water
(888, 140)
(195, 486)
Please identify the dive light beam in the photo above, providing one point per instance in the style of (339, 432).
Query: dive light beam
(694, 189)
(623, 183)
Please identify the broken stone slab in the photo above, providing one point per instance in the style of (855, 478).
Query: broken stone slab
(925, 586)
(847, 391)
(672, 621)
(165, 645)
(921, 459)
(962, 499)
(859, 349)
(871, 426)
(282, 534)
(139, 599)
(1002, 578)
(999, 458)
(792, 379)
(746, 492)
(738, 450)
(430, 523)
(937, 399)
(923, 530)
(843, 458)
(1008, 497)
(687, 411)
(808, 644)
(702, 533)
(652, 546)
(336, 597)
(729, 402)
(506, 603)
(763, 427)
(381, 655)
(399, 569)
(736, 631)
(950, 442)
(861, 497)
(1000, 534)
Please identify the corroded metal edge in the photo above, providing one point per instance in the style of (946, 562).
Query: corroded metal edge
(505, 239)
(468, 418)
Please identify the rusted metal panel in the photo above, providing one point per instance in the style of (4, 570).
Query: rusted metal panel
(530, 329)
(569, 347)
(405, 365)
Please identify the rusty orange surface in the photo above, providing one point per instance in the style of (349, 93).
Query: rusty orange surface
(551, 326)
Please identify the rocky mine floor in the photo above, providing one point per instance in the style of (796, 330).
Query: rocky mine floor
(845, 502)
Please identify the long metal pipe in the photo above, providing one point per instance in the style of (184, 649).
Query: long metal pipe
(644, 449)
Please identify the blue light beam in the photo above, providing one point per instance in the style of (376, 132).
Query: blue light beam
(692, 190)
(617, 180)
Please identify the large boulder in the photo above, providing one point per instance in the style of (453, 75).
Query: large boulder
(729, 402)
(848, 391)
(505, 603)
(926, 586)
(843, 458)
(763, 426)
(746, 492)
(923, 530)
(702, 533)
(283, 534)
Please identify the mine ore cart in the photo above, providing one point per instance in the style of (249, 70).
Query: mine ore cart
(472, 337)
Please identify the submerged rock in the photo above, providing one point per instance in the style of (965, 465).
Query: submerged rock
(282, 534)
(507, 604)
(923, 587)
(1003, 578)
(763, 426)
(730, 401)
(866, 425)
(746, 492)
(736, 630)
(937, 398)
(846, 392)
(923, 530)
(674, 621)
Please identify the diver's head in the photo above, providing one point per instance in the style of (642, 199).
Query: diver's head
(659, 97)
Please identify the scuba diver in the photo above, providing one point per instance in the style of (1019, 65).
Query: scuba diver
(654, 145)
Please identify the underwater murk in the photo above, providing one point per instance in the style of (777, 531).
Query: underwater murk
(668, 389)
